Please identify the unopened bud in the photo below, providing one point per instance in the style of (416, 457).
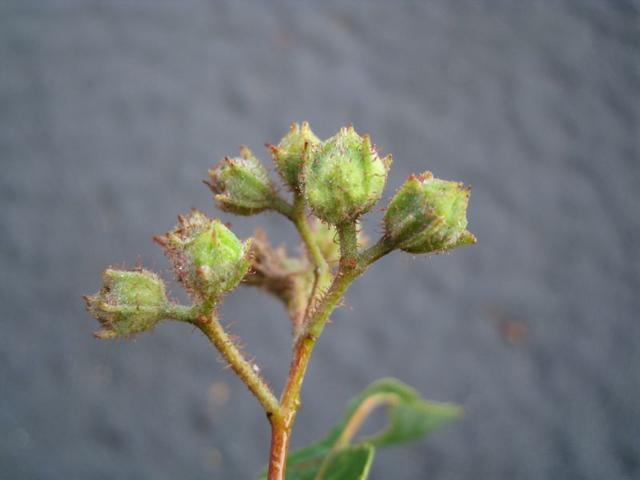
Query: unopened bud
(130, 301)
(344, 177)
(428, 215)
(241, 185)
(291, 153)
(207, 257)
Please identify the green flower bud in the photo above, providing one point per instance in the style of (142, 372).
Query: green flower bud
(207, 257)
(241, 185)
(291, 153)
(344, 177)
(428, 215)
(130, 301)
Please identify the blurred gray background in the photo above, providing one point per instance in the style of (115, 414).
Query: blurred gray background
(111, 112)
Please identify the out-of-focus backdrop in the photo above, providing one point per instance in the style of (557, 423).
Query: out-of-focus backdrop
(111, 112)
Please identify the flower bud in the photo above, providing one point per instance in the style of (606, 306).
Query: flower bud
(207, 257)
(290, 154)
(428, 215)
(344, 177)
(130, 301)
(241, 185)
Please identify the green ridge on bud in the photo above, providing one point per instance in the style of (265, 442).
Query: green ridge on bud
(241, 185)
(428, 215)
(130, 301)
(344, 177)
(291, 153)
(207, 257)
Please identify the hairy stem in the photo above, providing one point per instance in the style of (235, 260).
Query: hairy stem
(350, 269)
(348, 235)
(376, 252)
(282, 206)
(302, 225)
(290, 401)
(322, 272)
(206, 320)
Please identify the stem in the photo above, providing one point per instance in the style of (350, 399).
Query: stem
(376, 252)
(282, 206)
(279, 448)
(347, 232)
(181, 313)
(206, 320)
(290, 402)
(281, 425)
(282, 414)
(322, 272)
(302, 225)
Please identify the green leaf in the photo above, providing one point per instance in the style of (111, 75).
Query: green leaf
(352, 463)
(338, 457)
(349, 462)
(410, 417)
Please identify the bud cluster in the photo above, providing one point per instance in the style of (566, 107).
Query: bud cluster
(341, 179)
(338, 179)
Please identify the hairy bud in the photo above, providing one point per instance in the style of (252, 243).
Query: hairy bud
(428, 215)
(130, 301)
(207, 257)
(344, 177)
(241, 185)
(291, 153)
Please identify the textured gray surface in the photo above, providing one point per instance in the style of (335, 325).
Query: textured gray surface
(110, 115)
